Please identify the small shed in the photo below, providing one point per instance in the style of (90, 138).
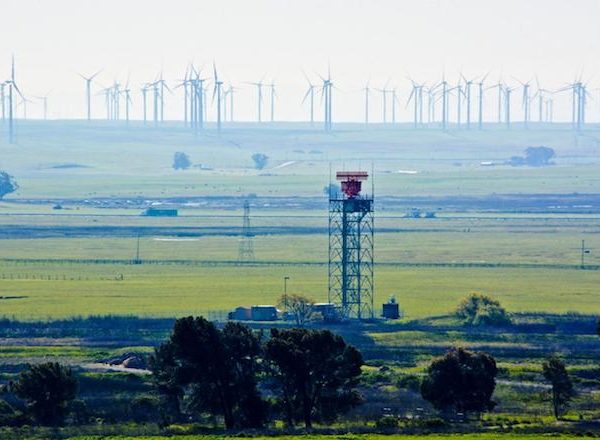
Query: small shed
(241, 314)
(160, 212)
(264, 313)
(327, 310)
(391, 309)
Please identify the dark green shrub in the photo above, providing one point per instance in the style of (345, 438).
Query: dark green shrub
(387, 423)
(477, 309)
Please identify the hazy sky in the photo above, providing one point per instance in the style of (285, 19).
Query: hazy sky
(377, 39)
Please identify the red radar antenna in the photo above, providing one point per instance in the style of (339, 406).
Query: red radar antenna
(352, 182)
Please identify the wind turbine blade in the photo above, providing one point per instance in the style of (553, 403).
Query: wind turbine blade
(17, 89)
(412, 92)
(95, 74)
(306, 95)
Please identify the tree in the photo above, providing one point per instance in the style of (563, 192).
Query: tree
(216, 369)
(164, 377)
(314, 372)
(47, 390)
(477, 309)
(300, 307)
(181, 161)
(538, 156)
(8, 184)
(462, 381)
(562, 388)
(260, 160)
(332, 190)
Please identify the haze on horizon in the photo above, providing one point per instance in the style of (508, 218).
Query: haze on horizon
(364, 40)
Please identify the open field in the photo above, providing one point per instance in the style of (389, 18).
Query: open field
(59, 265)
(73, 159)
(178, 290)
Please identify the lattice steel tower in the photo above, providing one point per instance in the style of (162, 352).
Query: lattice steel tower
(351, 247)
(246, 253)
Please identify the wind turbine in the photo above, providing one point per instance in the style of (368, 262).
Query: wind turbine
(186, 84)
(467, 91)
(310, 93)
(163, 85)
(12, 86)
(127, 92)
(217, 94)
(394, 102)
(259, 85)
(273, 95)
(459, 97)
(228, 100)
(501, 96)
(480, 101)
(24, 102)
(144, 91)
(444, 85)
(367, 91)
(3, 100)
(431, 98)
(578, 96)
(507, 92)
(326, 94)
(526, 103)
(44, 100)
(116, 101)
(384, 91)
(444, 102)
(197, 99)
(420, 99)
(88, 92)
(539, 94)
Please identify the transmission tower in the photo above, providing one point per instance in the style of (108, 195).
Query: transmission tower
(351, 247)
(246, 253)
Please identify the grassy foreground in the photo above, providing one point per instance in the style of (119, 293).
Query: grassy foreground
(490, 436)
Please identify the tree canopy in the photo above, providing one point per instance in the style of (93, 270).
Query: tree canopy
(462, 381)
(562, 392)
(260, 160)
(215, 369)
(8, 184)
(538, 156)
(478, 309)
(315, 373)
(299, 307)
(47, 390)
(181, 161)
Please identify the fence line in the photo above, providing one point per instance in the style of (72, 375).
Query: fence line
(213, 263)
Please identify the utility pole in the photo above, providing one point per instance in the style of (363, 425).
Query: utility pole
(285, 297)
(137, 251)
(584, 251)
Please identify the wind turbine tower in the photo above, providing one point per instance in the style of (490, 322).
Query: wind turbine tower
(273, 95)
(310, 93)
(217, 94)
(367, 90)
(12, 86)
(88, 92)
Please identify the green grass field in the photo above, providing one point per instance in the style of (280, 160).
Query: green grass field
(75, 160)
(72, 159)
(168, 290)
